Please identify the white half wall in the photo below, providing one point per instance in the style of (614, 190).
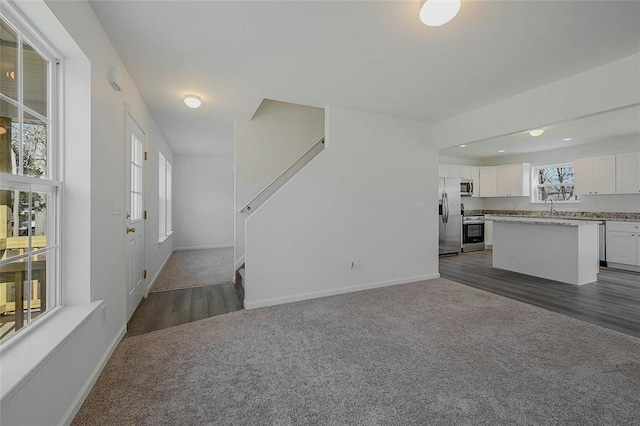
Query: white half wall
(610, 86)
(265, 146)
(370, 197)
(203, 202)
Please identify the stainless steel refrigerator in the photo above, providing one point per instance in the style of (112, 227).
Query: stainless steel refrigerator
(450, 217)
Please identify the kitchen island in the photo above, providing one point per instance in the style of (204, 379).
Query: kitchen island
(557, 249)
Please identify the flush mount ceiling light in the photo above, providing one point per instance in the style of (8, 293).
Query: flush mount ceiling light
(536, 132)
(438, 12)
(192, 101)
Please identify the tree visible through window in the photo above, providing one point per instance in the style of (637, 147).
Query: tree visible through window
(554, 182)
(29, 186)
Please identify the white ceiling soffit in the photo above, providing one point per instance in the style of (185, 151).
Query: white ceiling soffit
(595, 128)
(369, 55)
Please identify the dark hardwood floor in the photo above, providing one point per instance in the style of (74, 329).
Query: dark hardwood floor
(174, 307)
(612, 302)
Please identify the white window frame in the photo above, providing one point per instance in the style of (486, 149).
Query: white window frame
(51, 183)
(535, 185)
(165, 225)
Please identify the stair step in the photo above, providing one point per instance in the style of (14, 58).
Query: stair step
(239, 284)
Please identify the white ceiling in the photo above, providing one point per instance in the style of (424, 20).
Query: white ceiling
(586, 130)
(368, 55)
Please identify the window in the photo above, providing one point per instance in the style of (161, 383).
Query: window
(164, 214)
(553, 182)
(29, 186)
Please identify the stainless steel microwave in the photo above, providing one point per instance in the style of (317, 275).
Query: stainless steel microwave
(466, 187)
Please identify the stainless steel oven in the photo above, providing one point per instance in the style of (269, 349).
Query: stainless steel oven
(472, 233)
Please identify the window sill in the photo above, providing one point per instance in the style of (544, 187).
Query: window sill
(165, 238)
(24, 355)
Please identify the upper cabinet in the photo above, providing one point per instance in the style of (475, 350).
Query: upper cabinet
(628, 173)
(513, 180)
(487, 181)
(463, 172)
(595, 175)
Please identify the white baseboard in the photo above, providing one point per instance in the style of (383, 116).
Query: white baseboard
(203, 247)
(155, 277)
(84, 392)
(622, 266)
(335, 291)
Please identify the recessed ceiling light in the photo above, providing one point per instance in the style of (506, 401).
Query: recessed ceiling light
(192, 101)
(501, 150)
(438, 12)
(536, 132)
(463, 146)
(566, 139)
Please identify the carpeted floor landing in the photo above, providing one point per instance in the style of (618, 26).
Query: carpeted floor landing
(195, 268)
(433, 352)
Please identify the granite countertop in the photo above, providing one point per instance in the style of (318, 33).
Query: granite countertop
(564, 215)
(541, 220)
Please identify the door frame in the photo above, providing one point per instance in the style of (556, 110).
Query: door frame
(129, 114)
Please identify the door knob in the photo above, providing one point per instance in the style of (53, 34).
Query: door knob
(130, 229)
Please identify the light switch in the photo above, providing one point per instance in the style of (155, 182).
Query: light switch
(418, 204)
(117, 206)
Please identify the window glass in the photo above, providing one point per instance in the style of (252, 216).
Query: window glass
(554, 182)
(9, 55)
(35, 80)
(29, 252)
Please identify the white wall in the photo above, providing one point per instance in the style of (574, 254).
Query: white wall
(603, 88)
(355, 200)
(202, 202)
(265, 146)
(79, 358)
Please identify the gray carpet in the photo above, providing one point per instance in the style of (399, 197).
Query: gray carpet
(434, 352)
(195, 268)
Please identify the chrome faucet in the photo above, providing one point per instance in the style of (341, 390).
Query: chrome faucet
(552, 210)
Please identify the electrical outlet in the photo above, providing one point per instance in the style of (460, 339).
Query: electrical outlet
(103, 314)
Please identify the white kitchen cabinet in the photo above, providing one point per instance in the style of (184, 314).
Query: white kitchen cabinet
(487, 181)
(488, 233)
(449, 170)
(595, 175)
(513, 180)
(475, 175)
(623, 245)
(628, 173)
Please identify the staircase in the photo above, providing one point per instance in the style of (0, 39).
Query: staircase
(239, 283)
(265, 194)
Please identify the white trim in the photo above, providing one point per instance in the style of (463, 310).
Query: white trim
(238, 264)
(93, 378)
(203, 247)
(336, 291)
(624, 267)
(162, 239)
(51, 336)
(155, 277)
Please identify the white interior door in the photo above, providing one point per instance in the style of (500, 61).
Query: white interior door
(134, 228)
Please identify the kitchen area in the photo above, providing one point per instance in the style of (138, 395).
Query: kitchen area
(552, 221)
